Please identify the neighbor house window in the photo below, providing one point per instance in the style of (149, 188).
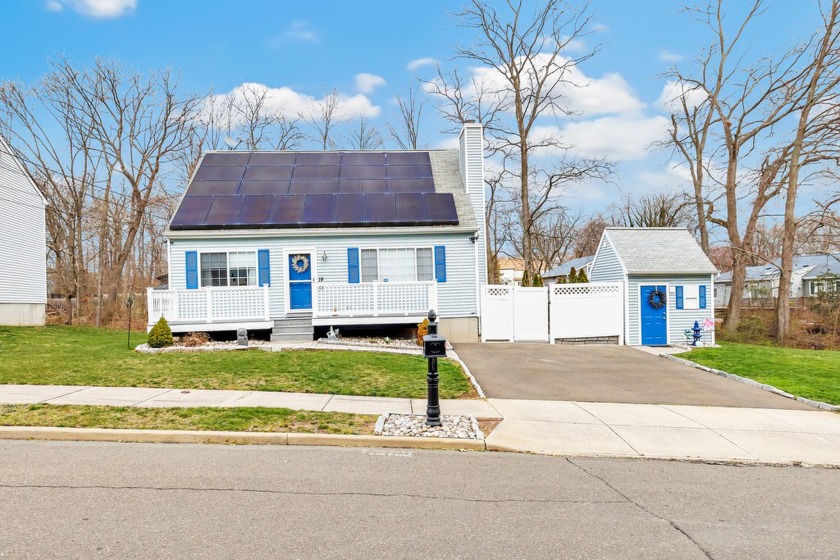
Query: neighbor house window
(397, 265)
(229, 269)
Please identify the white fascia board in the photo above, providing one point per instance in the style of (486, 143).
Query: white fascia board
(309, 232)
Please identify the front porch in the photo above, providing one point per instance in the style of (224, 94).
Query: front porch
(332, 304)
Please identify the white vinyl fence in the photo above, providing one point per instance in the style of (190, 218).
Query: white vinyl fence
(557, 312)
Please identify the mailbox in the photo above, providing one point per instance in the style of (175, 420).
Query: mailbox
(434, 346)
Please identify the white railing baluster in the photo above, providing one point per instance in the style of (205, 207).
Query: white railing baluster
(265, 302)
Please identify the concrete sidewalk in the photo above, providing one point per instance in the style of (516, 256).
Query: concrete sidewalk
(548, 427)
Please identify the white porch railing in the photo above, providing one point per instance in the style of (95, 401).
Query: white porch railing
(209, 305)
(373, 299)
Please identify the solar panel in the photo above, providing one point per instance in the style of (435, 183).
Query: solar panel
(363, 172)
(408, 158)
(319, 209)
(315, 172)
(380, 209)
(192, 212)
(209, 173)
(363, 158)
(318, 158)
(411, 185)
(226, 159)
(409, 171)
(256, 210)
(287, 210)
(350, 209)
(440, 208)
(263, 187)
(224, 211)
(210, 188)
(411, 208)
(360, 186)
(268, 173)
(314, 186)
(272, 159)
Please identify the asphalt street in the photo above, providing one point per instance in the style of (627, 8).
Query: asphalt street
(110, 500)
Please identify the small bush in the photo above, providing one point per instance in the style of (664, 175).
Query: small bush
(160, 335)
(582, 279)
(422, 330)
(195, 339)
(536, 280)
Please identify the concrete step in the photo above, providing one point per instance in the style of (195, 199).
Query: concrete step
(292, 337)
(293, 329)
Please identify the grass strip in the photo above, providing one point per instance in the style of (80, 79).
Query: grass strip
(250, 419)
(813, 374)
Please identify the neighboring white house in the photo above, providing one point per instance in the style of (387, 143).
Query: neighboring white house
(291, 240)
(667, 282)
(810, 275)
(563, 271)
(23, 244)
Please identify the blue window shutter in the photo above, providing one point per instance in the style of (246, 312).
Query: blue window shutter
(679, 297)
(353, 265)
(263, 267)
(192, 269)
(440, 263)
(702, 297)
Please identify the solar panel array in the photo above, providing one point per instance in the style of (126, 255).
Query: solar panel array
(313, 189)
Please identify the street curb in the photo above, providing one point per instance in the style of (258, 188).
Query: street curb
(751, 382)
(241, 438)
(452, 355)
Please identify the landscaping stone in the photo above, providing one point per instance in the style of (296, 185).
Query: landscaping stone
(414, 425)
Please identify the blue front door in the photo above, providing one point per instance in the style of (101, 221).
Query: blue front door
(653, 303)
(300, 281)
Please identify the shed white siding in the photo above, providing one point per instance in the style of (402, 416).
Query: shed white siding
(678, 319)
(23, 248)
(606, 267)
(456, 296)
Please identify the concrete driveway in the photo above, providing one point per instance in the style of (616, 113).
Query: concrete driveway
(614, 374)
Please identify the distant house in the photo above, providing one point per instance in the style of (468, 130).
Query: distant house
(667, 281)
(290, 241)
(555, 274)
(510, 270)
(811, 274)
(23, 245)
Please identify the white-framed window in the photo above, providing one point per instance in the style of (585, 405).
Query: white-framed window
(406, 264)
(820, 286)
(228, 268)
(691, 296)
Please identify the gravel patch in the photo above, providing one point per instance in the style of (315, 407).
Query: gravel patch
(414, 425)
(375, 342)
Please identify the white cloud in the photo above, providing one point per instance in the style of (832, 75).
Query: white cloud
(673, 91)
(420, 62)
(301, 30)
(293, 104)
(366, 83)
(667, 56)
(97, 9)
(617, 138)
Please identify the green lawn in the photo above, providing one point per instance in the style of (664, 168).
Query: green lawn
(63, 355)
(224, 419)
(814, 374)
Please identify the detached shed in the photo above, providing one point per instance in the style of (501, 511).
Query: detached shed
(668, 282)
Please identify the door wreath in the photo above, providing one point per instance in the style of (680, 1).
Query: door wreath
(656, 299)
(300, 263)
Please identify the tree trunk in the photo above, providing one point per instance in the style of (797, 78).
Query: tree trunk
(700, 205)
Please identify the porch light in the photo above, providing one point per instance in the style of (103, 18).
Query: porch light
(324, 256)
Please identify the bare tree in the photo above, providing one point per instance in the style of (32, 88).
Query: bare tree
(326, 117)
(406, 133)
(530, 65)
(654, 210)
(364, 136)
(258, 124)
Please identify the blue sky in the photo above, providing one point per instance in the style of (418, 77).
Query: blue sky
(312, 47)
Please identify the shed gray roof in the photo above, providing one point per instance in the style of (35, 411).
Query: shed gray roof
(565, 268)
(659, 251)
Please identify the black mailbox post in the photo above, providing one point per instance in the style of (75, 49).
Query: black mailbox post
(434, 347)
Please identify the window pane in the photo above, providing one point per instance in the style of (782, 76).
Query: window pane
(213, 269)
(243, 269)
(370, 271)
(397, 265)
(424, 265)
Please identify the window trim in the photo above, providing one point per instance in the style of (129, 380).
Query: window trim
(430, 248)
(227, 252)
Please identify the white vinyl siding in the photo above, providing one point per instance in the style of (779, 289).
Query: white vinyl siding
(456, 296)
(606, 267)
(23, 245)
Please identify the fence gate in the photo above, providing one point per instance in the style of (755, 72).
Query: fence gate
(561, 311)
(514, 314)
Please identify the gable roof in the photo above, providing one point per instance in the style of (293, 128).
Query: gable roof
(816, 265)
(658, 251)
(292, 190)
(7, 151)
(565, 268)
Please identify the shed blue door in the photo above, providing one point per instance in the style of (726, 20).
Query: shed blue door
(654, 321)
(300, 281)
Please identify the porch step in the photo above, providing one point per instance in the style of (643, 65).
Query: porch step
(293, 329)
